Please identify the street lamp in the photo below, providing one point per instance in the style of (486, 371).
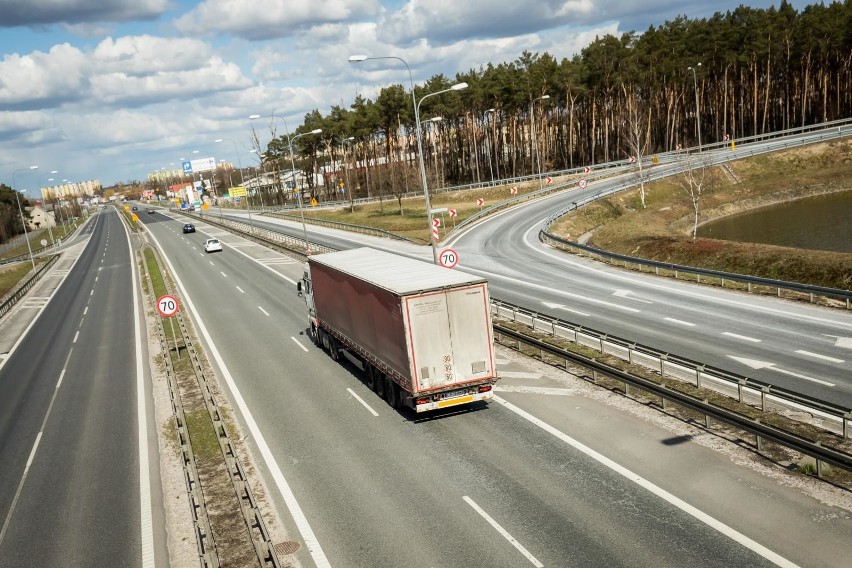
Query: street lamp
(535, 136)
(459, 86)
(490, 157)
(697, 108)
(242, 180)
(21, 211)
(293, 167)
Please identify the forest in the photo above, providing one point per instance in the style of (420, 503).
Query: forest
(737, 74)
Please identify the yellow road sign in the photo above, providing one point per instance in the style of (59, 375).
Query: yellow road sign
(238, 191)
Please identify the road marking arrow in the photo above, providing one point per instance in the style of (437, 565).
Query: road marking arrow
(625, 293)
(553, 306)
(755, 364)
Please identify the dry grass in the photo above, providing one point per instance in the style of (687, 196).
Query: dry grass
(661, 231)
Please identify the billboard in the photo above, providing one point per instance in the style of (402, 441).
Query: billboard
(199, 165)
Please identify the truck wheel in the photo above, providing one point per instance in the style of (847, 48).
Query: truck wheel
(392, 393)
(370, 377)
(332, 348)
(380, 385)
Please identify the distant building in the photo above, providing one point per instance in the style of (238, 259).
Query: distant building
(75, 189)
(40, 219)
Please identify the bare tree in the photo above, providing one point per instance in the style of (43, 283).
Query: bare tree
(695, 182)
(635, 130)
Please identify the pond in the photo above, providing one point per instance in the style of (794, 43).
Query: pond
(818, 223)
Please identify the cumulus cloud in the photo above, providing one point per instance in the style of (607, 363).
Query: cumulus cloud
(447, 21)
(14, 13)
(43, 79)
(267, 19)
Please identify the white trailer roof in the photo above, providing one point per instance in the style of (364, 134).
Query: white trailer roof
(398, 274)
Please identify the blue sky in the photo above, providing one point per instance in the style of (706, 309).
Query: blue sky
(116, 89)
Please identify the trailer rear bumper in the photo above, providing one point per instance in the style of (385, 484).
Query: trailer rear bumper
(438, 401)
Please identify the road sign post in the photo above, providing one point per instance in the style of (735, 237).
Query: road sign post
(168, 306)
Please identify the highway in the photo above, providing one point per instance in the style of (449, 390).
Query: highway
(76, 482)
(801, 347)
(363, 485)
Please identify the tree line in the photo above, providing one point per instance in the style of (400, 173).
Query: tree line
(736, 74)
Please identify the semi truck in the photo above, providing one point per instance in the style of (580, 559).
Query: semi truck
(420, 333)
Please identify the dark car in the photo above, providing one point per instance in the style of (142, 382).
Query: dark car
(189, 228)
(134, 208)
(151, 211)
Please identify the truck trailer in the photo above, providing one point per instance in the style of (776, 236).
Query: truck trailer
(420, 333)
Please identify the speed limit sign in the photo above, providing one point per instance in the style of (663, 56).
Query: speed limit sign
(448, 258)
(167, 306)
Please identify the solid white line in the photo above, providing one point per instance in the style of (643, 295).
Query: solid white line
(33, 451)
(264, 311)
(299, 518)
(681, 322)
(743, 337)
(503, 532)
(146, 517)
(223, 274)
(61, 376)
(305, 349)
(241, 290)
(713, 523)
(361, 400)
(818, 356)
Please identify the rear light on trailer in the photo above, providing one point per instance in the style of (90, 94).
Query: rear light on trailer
(484, 388)
(422, 401)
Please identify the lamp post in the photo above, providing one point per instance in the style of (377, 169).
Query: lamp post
(358, 59)
(21, 212)
(434, 121)
(242, 179)
(490, 111)
(697, 108)
(535, 136)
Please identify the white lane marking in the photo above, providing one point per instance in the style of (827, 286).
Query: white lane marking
(76, 335)
(681, 322)
(844, 342)
(264, 311)
(85, 310)
(712, 522)
(518, 375)
(755, 364)
(299, 518)
(96, 278)
(145, 515)
(299, 343)
(92, 293)
(743, 337)
(818, 356)
(61, 376)
(241, 290)
(503, 532)
(534, 390)
(626, 294)
(223, 274)
(555, 306)
(211, 263)
(361, 400)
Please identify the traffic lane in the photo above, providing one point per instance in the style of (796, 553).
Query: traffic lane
(728, 483)
(299, 405)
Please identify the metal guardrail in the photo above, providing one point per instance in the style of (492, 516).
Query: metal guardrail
(811, 290)
(7, 305)
(346, 227)
(836, 419)
(761, 431)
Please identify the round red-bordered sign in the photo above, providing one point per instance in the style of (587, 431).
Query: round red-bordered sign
(448, 258)
(167, 306)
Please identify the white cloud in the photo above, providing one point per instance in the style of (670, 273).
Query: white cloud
(43, 79)
(267, 19)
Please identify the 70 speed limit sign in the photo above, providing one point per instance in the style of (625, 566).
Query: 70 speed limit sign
(167, 306)
(448, 258)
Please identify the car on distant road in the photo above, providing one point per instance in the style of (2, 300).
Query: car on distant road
(212, 245)
(151, 211)
(134, 208)
(189, 228)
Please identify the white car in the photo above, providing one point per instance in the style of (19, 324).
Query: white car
(212, 245)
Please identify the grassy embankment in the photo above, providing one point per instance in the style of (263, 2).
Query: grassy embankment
(662, 230)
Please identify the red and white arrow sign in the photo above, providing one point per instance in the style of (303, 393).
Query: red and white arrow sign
(587, 169)
(452, 213)
(548, 180)
(480, 202)
(514, 190)
(632, 159)
(436, 223)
